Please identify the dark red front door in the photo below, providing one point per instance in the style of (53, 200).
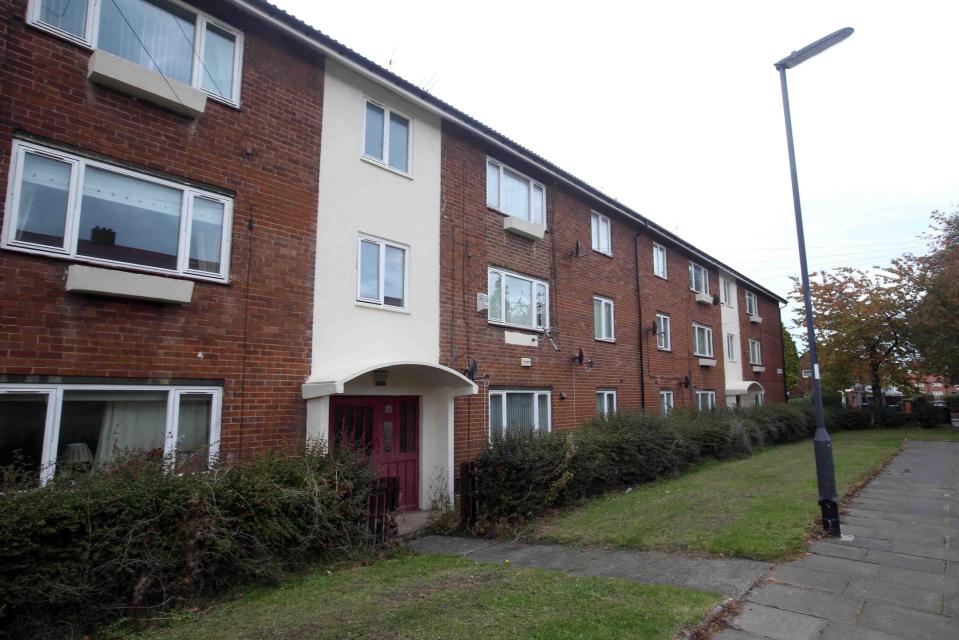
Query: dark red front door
(388, 428)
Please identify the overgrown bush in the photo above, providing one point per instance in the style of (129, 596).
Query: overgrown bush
(850, 420)
(927, 414)
(137, 538)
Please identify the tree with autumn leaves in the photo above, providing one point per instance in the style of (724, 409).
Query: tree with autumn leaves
(883, 325)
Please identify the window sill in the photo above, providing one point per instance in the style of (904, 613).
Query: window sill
(706, 361)
(606, 340)
(523, 228)
(605, 254)
(517, 327)
(382, 165)
(755, 319)
(661, 277)
(128, 77)
(660, 349)
(758, 368)
(703, 298)
(123, 284)
(382, 307)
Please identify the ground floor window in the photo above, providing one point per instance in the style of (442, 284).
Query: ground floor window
(758, 398)
(45, 429)
(665, 402)
(705, 400)
(606, 402)
(519, 410)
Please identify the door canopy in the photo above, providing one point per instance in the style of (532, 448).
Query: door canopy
(388, 378)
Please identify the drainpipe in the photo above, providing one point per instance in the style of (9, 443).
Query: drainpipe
(782, 350)
(642, 326)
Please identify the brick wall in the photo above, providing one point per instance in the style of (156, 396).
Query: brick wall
(769, 334)
(254, 333)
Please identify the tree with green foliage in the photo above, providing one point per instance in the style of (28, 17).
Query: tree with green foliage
(790, 360)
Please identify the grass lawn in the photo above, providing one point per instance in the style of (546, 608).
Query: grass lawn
(762, 506)
(446, 597)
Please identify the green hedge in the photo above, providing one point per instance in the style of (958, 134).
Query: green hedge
(522, 474)
(137, 539)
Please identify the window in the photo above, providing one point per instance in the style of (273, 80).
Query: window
(731, 347)
(702, 341)
(386, 137)
(381, 273)
(755, 352)
(705, 400)
(603, 319)
(758, 398)
(665, 402)
(606, 402)
(752, 304)
(517, 300)
(68, 206)
(523, 410)
(49, 428)
(664, 337)
(659, 260)
(727, 292)
(165, 37)
(514, 194)
(602, 237)
(698, 278)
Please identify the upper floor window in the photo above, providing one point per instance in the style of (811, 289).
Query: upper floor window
(727, 292)
(698, 278)
(602, 237)
(705, 400)
(386, 137)
(514, 194)
(68, 206)
(603, 328)
(49, 428)
(519, 410)
(517, 300)
(755, 352)
(702, 341)
(659, 260)
(665, 402)
(731, 347)
(664, 338)
(606, 402)
(167, 37)
(381, 273)
(752, 304)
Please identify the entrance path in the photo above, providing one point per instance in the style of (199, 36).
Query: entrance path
(731, 577)
(897, 579)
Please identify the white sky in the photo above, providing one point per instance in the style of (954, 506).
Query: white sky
(674, 109)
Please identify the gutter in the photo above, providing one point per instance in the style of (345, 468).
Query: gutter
(370, 70)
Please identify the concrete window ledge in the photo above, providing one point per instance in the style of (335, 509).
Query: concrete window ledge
(521, 339)
(755, 319)
(704, 298)
(123, 284)
(707, 362)
(758, 368)
(117, 73)
(523, 229)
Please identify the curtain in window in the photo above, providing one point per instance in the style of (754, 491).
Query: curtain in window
(394, 277)
(152, 34)
(219, 55)
(516, 195)
(193, 431)
(131, 426)
(519, 411)
(539, 206)
(206, 236)
(496, 411)
(44, 194)
(543, 400)
(67, 15)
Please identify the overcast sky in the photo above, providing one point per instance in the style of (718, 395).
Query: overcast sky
(674, 109)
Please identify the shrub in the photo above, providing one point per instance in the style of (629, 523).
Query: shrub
(850, 420)
(136, 538)
(927, 414)
(521, 473)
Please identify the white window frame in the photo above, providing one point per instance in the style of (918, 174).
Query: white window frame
(755, 352)
(726, 290)
(607, 308)
(503, 273)
(693, 268)
(731, 347)
(533, 185)
(759, 398)
(666, 402)
(596, 222)
(609, 401)
(500, 396)
(91, 34)
(664, 332)
(660, 262)
(752, 303)
(710, 398)
(382, 244)
(78, 165)
(55, 394)
(384, 161)
(709, 340)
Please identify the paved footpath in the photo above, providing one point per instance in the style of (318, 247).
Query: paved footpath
(897, 579)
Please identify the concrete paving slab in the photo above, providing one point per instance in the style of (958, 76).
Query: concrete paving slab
(909, 623)
(838, 550)
(842, 631)
(865, 542)
(910, 535)
(809, 601)
(867, 522)
(952, 569)
(903, 561)
(951, 606)
(903, 595)
(856, 530)
(789, 574)
(735, 634)
(925, 550)
(935, 582)
(851, 568)
(770, 622)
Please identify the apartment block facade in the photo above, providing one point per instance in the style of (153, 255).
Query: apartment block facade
(225, 232)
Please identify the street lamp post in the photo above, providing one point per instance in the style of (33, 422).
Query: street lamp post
(825, 469)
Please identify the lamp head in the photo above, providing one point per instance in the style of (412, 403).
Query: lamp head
(798, 57)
